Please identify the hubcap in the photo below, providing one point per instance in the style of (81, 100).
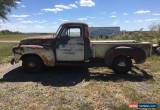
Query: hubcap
(122, 64)
(31, 65)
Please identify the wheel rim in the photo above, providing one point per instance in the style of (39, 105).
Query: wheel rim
(122, 64)
(31, 65)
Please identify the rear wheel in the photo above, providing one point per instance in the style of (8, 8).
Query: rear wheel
(122, 65)
(158, 50)
(32, 64)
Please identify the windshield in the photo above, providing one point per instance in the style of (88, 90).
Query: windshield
(58, 30)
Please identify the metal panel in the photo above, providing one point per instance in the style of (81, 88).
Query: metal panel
(71, 51)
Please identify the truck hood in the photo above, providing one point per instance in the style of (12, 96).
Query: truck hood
(42, 37)
(38, 40)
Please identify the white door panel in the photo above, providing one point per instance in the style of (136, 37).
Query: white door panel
(73, 50)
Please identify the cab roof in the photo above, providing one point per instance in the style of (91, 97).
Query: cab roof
(75, 23)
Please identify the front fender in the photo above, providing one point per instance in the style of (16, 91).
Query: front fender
(46, 54)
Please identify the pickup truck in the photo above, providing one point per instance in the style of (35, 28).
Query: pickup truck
(71, 45)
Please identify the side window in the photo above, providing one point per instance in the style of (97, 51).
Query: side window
(74, 32)
(71, 32)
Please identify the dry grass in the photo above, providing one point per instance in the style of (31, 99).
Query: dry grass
(73, 89)
(13, 37)
(5, 52)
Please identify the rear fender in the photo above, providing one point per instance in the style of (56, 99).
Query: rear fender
(131, 52)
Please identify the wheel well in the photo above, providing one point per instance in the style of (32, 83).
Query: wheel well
(30, 55)
(134, 53)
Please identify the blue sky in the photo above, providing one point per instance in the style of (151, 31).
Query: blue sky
(47, 15)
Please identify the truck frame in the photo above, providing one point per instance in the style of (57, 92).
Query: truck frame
(72, 46)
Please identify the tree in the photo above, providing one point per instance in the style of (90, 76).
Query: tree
(5, 7)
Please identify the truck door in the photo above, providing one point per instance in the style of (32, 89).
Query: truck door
(70, 46)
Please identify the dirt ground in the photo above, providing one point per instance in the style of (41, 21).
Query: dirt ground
(77, 88)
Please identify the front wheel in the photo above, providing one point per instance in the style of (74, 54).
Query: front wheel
(32, 64)
(122, 65)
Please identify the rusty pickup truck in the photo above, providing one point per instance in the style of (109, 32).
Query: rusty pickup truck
(72, 46)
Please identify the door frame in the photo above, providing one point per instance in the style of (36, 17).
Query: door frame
(60, 39)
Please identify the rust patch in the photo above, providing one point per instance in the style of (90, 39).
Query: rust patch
(46, 60)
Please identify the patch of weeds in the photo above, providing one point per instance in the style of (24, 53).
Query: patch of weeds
(122, 107)
(85, 106)
(2, 81)
(154, 58)
(61, 108)
(131, 94)
(6, 52)
(152, 81)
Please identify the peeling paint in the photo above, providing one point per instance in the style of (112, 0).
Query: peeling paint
(46, 55)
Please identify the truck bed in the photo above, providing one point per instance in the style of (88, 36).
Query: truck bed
(101, 47)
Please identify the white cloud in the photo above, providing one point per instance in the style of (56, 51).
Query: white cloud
(19, 16)
(103, 13)
(142, 12)
(18, 26)
(114, 12)
(77, 2)
(73, 5)
(62, 7)
(147, 20)
(63, 20)
(23, 6)
(113, 16)
(125, 14)
(91, 17)
(156, 14)
(152, 20)
(127, 21)
(31, 22)
(18, 2)
(82, 19)
(87, 3)
(27, 22)
(58, 8)
(39, 13)
(12, 26)
(138, 21)
(39, 26)
(55, 10)
(114, 23)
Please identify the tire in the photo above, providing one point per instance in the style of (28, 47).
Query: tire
(122, 65)
(158, 50)
(32, 64)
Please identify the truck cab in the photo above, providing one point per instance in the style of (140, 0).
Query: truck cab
(73, 42)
